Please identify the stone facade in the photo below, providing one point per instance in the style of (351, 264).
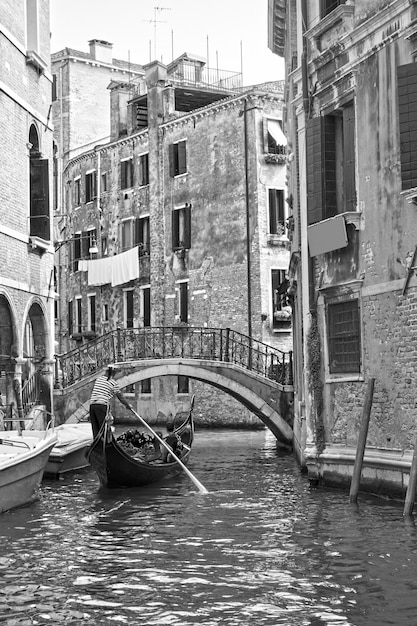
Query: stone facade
(203, 221)
(351, 128)
(26, 253)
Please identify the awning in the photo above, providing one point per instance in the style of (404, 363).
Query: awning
(274, 128)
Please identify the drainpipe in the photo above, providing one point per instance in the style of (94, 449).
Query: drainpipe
(248, 254)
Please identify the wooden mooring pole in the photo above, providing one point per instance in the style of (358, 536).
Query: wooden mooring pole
(363, 433)
(412, 484)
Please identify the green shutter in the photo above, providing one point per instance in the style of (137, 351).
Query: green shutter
(182, 157)
(171, 160)
(187, 226)
(349, 158)
(407, 113)
(329, 166)
(314, 155)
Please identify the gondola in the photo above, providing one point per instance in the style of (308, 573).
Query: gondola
(118, 463)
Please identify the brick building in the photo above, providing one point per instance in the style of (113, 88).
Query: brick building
(351, 127)
(190, 191)
(26, 252)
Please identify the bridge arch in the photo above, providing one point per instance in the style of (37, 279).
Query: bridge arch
(267, 400)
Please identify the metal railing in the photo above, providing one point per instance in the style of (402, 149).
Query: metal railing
(30, 392)
(132, 344)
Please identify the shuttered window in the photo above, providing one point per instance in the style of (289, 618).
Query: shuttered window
(143, 170)
(177, 159)
(407, 112)
(90, 186)
(181, 228)
(39, 198)
(314, 170)
(126, 174)
(331, 170)
(344, 337)
(276, 211)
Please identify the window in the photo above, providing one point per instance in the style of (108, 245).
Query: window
(128, 314)
(76, 251)
(91, 236)
(90, 186)
(78, 315)
(146, 306)
(177, 159)
(407, 90)
(126, 172)
(181, 228)
(331, 186)
(146, 386)
(105, 313)
(182, 301)
(183, 384)
(276, 211)
(104, 181)
(143, 170)
(276, 140)
(39, 189)
(126, 234)
(142, 236)
(281, 309)
(327, 6)
(70, 313)
(104, 248)
(77, 192)
(91, 312)
(343, 337)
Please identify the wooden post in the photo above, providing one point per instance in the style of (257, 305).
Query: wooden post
(363, 433)
(412, 484)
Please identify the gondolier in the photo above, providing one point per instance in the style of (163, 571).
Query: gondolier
(104, 390)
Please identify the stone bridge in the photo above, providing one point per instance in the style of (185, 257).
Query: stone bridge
(257, 375)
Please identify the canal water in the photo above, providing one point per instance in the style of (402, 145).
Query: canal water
(261, 549)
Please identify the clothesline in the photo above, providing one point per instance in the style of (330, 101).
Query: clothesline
(116, 270)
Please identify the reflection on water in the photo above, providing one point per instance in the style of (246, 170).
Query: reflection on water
(261, 548)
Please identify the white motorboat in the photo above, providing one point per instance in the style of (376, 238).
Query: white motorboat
(23, 458)
(70, 451)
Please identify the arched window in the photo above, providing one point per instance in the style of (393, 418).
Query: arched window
(39, 189)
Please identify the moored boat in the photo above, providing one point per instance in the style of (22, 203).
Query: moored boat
(70, 452)
(23, 458)
(124, 462)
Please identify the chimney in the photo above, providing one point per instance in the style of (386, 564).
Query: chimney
(101, 50)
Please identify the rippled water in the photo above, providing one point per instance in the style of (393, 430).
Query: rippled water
(261, 548)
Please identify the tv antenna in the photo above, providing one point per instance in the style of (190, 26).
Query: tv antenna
(155, 21)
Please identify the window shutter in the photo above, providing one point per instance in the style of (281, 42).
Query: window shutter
(70, 318)
(147, 307)
(175, 229)
(183, 302)
(182, 157)
(314, 170)
(172, 160)
(349, 157)
(407, 97)
(328, 127)
(39, 198)
(187, 227)
(137, 231)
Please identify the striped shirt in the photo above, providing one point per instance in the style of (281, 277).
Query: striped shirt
(104, 390)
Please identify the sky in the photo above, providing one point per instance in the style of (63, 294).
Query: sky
(233, 34)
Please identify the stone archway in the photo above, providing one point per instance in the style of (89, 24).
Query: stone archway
(35, 355)
(8, 354)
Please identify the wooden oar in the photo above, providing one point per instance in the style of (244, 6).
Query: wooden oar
(197, 483)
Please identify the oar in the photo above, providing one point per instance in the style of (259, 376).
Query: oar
(197, 483)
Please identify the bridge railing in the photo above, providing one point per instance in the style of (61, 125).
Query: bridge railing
(132, 344)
